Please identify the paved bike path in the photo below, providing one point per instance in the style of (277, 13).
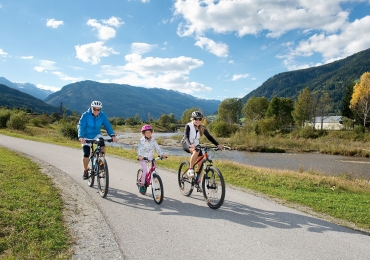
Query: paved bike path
(245, 227)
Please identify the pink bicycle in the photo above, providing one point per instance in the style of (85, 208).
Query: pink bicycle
(153, 179)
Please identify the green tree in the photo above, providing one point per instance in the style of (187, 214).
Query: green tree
(280, 109)
(255, 108)
(286, 108)
(273, 108)
(229, 110)
(302, 108)
(346, 101)
(164, 120)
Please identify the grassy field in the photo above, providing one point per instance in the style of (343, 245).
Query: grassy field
(342, 200)
(31, 219)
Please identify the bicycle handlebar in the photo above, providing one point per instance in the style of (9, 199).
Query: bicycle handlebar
(96, 141)
(154, 159)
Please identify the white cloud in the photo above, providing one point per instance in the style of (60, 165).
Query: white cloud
(65, 77)
(239, 76)
(76, 68)
(93, 52)
(105, 32)
(255, 16)
(45, 65)
(352, 38)
(167, 73)
(218, 49)
(3, 53)
(270, 18)
(53, 23)
(26, 57)
(141, 48)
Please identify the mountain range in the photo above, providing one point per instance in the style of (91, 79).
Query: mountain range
(27, 88)
(332, 78)
(13, 98)
(120, 100)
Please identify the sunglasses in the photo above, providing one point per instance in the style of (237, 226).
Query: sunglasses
(96, 109)
(198, 119)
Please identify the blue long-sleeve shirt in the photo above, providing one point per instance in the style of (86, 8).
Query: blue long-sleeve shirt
(89, 125)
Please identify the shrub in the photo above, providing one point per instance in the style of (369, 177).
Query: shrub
(222, 129)
(36, 121)
(306, 132)
(266, 126)
(69, 130)
(4, 118)
(17, 121)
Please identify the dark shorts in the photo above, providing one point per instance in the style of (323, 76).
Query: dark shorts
(86, 150)
(185, 147)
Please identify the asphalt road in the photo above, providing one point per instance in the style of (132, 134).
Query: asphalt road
(245, 227)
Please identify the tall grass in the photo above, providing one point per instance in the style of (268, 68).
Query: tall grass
(31, 219)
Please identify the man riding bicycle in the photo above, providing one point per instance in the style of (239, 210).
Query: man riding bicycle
(89, 127)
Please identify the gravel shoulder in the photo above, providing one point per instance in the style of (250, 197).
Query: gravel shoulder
(92, 237)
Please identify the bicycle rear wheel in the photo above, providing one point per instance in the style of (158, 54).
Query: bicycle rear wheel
(157, 189)
(213, 187)
(185, 183)
(103, 177)
(91, 179)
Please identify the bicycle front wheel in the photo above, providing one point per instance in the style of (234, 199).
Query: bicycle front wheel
(185, 183)
(91, 178)
(103, 177)
(213, 187)
(157, 189)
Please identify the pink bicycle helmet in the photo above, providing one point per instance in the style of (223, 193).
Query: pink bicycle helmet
(146, 127)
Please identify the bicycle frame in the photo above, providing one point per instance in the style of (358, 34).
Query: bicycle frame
(205, 159)
(151, 169)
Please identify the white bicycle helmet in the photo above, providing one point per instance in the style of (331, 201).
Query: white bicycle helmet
(96, 103)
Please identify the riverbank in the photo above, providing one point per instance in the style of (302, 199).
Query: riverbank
(336, 165)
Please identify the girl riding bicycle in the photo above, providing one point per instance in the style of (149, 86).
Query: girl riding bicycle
(146, 147)
(193, 131)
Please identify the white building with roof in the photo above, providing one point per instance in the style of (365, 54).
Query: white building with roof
(328, 123)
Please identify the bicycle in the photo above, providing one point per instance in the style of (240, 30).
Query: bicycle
(98, 166)
(153, 179)
(212, 181)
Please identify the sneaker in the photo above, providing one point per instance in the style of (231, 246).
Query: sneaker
(142, 189)
(86, 175)
(191, 173)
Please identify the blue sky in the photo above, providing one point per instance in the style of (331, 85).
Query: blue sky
(208, 49)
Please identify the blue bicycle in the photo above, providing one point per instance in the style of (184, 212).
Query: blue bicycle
(98, 166)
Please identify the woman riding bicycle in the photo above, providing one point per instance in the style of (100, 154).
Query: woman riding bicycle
(89, 127)
(193, 131)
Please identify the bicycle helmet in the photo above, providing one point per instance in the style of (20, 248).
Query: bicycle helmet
(96, 103)
(196, 114)
(146, 127)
